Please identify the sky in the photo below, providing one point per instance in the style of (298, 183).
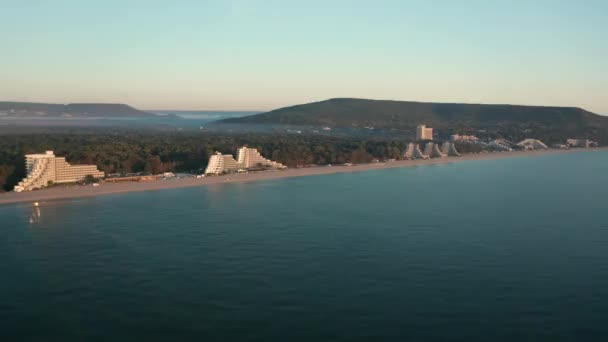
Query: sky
(260, 55)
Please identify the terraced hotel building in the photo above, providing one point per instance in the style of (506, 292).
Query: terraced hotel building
(45, 168)
(247, 158)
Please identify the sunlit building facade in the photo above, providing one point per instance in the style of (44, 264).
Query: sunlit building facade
(221, 163)
(424, 133)
(45, 168)
(250, 157)
(247, 158)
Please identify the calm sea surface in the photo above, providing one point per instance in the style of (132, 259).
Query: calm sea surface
(503, 250)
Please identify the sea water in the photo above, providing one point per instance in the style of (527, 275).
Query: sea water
(496, 250)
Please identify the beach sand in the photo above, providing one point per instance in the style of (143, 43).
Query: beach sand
(74, 191)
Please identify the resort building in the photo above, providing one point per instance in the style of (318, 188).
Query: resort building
(432, 150)
(247, 158)
(532, 144)
(458, 137)
(424, 133)
(250, 157)
(418, 154)
(409, 153)
(45, 168)
(428, 148)
(584, 143)
(501, 145)
(449, 149)
(221, 163)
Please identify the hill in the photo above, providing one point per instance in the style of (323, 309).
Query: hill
(32, 109)
(344, 112)
(510, 120)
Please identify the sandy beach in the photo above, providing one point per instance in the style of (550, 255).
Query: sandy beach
(75, 191)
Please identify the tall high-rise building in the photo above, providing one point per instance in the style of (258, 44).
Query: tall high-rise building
(44, 168)
(424, 133)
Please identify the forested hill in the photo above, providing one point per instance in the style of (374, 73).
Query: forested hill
(31, 109)
(345, 112)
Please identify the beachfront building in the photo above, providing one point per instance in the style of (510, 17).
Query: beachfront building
(584, 143)
(532, 144)
(428, 148)
(432, 150)
(424, 133)
(467, 138)
(221, 163)
(449, 149)
(247, 158)
(409, 152)
(501, 145)
(45, 168)
(418, 154)
(250, 157)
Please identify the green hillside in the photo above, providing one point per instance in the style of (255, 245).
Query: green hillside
(446, 117)
(402, 114)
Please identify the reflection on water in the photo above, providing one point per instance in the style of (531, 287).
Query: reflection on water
(35, 213)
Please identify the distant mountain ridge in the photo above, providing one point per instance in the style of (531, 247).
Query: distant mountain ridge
(350, 112)
(513, 121)
(33, 109)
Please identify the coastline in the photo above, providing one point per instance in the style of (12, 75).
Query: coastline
(56, 193)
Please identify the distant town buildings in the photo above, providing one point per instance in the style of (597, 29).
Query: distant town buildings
(424, 133)
(45, 168)
(247, 158)
(532, 144)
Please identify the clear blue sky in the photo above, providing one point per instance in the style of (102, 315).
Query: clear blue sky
(265, 54)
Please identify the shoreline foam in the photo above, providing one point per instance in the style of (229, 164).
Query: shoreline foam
(56, 193)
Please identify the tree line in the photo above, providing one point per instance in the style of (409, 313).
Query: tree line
(156, 152)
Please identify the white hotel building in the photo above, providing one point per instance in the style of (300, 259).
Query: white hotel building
(221, 163)
(246, 158)
(45, 168)
(250, 157)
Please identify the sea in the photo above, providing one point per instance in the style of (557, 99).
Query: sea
(492, 250)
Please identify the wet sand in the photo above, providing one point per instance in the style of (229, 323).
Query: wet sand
(75, 191)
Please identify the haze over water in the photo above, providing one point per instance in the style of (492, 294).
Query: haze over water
(496, 250)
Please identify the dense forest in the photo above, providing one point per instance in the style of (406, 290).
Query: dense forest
(155, 152)
(122, 150)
